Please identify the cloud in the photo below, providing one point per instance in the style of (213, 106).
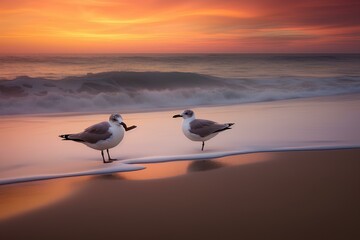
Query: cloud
(183, 26)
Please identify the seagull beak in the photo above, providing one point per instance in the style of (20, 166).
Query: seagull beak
(177, 116)
(123, 124)
(128, 128)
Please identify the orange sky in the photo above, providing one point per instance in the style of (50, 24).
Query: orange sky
(158, 26)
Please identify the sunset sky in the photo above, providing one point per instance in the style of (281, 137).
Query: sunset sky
(161, 26)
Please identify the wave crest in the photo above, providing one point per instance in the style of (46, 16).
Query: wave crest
(130, 91)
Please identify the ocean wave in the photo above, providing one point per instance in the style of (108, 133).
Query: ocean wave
(129, 91)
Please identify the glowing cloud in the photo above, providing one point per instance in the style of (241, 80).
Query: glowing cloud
(179, 26)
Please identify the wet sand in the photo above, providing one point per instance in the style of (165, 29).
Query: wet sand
(283, 195)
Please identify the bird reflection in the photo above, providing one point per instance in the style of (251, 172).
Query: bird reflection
(204, 165)
(114, 176)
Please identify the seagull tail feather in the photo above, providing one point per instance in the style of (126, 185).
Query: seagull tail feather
(67, 137)
(228, 126)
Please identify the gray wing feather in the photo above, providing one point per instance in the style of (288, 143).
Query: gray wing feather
(93, 133)
(99, 128)
(204, 128)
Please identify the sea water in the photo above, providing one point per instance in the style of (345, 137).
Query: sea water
(136, 82)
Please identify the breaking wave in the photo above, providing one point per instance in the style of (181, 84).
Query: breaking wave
(134, 91)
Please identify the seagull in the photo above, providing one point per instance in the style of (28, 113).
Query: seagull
(101, 136)
(200, 129)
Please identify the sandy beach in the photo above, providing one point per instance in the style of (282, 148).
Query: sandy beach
(291, 195)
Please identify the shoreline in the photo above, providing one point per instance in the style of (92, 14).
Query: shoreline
(297, 195)
(130, 165)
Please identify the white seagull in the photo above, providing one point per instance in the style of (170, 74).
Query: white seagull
(101, 136)
(200, 129)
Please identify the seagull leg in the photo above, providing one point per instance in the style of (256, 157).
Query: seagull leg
(203, 144)
(110, 159)
(102, 154)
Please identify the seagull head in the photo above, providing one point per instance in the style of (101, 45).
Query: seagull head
(186, 114)
(116, 119)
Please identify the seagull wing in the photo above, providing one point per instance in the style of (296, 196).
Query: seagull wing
(99, 128)
(93, 133)
(204, 128)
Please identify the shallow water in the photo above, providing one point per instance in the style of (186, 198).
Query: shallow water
(33, 150)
